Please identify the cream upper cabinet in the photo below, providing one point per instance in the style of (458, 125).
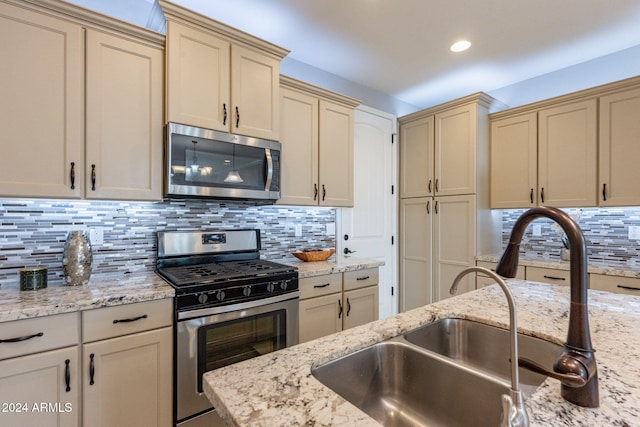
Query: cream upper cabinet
(416, 158)
(455, 151)
(514, 161)
(317, 145)
(221, 78)
(124, 138)
(547, 156)
(619, 174)
(567, 154)
(41, 107)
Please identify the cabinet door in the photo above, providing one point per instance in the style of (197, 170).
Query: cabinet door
(416, 158)
(455, 151)
(131, 384)
(454, 243)
(548, 275)
(255, 86)
(361, 306)
(567, 150)
(41, 106)
(198, 78)
(124, 143)
(619, 149)
(617, 284)
(299, 138)
(336, 155)
(514, 162)
(415, 252)
(39, 381)
(320, 316)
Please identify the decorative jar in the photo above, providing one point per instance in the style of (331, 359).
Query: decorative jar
(77, 257)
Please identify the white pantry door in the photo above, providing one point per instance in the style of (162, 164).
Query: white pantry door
(372, 222)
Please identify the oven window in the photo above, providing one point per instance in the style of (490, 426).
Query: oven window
(221, 344)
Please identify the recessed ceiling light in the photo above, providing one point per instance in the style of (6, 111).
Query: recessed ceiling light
(460, 46)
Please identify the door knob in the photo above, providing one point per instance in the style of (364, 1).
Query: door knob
(346, 237)
(348, 251)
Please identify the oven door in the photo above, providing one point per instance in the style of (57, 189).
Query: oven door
(220, 336)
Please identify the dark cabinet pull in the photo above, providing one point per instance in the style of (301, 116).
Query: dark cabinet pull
(133, 319)
(72, 175)
(437, 185)
(237, 117)
(531, 196)
(93, 177)
(630, 288)
(92, 369)
(339, 309)
(429, 186)
(429, 207)
(324, 192)
(67, 375)
(224, 114)
(362, 278)
(604, 192)
(26, 337)
(435, 207)
(321, 286)
(315, 191)
(542, 195)
(554, 278)
(348, 307)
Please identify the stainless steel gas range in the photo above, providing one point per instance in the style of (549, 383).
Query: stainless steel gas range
(230, 306)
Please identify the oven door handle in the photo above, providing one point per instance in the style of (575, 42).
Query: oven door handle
(269, 177)
(209, 311)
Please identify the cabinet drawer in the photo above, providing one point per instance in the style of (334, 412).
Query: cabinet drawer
(548, 275)
(320, 285)
(618, 284)
(126, 319)
(360, 278)
(57, 331)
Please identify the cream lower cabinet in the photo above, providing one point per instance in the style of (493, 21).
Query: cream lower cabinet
(332, 303)
(483, 280)
(317, 145)
(39, 372)
(438, 239)
(616, 284)
(548, 275)
(127, 365)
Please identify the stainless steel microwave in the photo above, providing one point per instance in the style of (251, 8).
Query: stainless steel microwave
(218, 165)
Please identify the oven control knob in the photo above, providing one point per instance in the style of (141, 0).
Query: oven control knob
(203, 298)
(246, 291)
(271, 287)
(284, 284)
(220, 295)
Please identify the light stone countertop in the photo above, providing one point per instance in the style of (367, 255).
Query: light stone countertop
(319, 268)
(624, 269)
(99, 292)
(277, 389)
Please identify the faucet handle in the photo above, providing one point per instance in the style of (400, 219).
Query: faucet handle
(571, 380)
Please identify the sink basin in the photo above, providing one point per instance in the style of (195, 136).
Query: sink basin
(401, 385)
(486, 348)
(451, 372)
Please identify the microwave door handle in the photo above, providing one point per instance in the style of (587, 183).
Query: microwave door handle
(267, 184)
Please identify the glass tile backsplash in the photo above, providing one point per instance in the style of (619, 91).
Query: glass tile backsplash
(33, 232)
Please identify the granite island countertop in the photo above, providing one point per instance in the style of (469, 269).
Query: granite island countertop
(99, 292)
(277, 389)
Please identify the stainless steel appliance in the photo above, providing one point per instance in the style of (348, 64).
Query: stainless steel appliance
(230, 306)
(219, 165)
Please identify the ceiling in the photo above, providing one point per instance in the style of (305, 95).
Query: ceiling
(401, 47)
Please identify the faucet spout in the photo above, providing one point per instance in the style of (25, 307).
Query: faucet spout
(576, 368)
(513, 411)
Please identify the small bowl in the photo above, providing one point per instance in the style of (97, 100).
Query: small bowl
(313, 256)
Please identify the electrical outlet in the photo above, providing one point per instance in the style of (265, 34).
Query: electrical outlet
(96, 235)
(634, 232)
(331, 229)
(298, 230)
(536, 230)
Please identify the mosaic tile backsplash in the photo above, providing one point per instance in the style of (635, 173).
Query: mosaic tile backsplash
(33, 232)
(606, 232)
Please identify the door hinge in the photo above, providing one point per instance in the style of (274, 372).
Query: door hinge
(392, 289)
(393, 188)
(392, 240)
(393, 137)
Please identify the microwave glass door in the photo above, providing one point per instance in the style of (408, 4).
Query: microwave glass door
(221, 344)
(209, 163)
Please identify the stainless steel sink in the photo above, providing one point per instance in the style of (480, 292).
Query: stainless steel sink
(451, 373)
(486, 348)
(401, 385)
